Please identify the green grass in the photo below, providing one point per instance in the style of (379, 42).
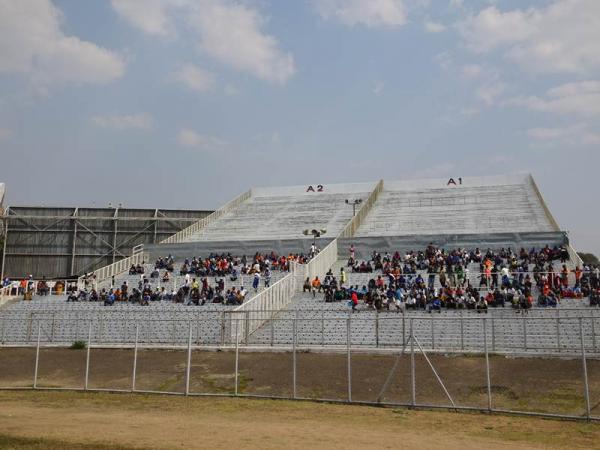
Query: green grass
(78, 345)
(9, 442)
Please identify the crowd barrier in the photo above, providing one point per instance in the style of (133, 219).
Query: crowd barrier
(407, 375)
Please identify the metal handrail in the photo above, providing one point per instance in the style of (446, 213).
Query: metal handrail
(182, 235)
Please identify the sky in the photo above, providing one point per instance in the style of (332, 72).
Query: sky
(188, 103)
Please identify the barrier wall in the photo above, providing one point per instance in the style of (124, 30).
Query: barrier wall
(364, 246)
(248, 248)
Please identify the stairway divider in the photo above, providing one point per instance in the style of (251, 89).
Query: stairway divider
(250, 316)
(203, 223)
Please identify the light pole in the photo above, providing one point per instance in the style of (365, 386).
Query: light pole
(354, 202)
(315, 233)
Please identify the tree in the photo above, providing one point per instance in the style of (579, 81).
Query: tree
(589, 258)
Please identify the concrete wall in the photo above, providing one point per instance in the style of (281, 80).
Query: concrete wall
(238, 248)
(365, 246)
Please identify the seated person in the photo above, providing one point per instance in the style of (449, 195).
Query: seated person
(482, 306)
(306, 287)
(110, 299)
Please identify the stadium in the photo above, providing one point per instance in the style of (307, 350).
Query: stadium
(408, 273)
(316, 224)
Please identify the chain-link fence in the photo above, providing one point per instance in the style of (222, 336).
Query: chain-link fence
(470, 368)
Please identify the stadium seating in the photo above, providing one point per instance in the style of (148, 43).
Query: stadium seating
(271, 214)
(484, 205)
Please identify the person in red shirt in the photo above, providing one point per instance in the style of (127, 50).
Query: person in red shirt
(354, 299)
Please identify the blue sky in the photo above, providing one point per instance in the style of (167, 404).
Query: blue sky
(187, 103)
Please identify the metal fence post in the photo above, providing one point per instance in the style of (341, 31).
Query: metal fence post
(37, 355)
(592, 319)
(585, 374)
(493, 335)
(413, 380)
(376, 328)
(87, 358)
(237, 353)
(432, 334)
(272, 329)
(525, 332)
(403, 329)
(294, 362)
(487, 365)
(189, 360)
(135, 356)
(323, 328)
(223, 328)
(558, 330)
(462, 333)
(349, 358)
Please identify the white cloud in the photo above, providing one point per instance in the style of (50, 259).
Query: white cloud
(33, 45)
(194, 77)
(192, 139)
(371, 13)
(444, 60)
(471, 70)
(150, 16)
(434, 27)
(574, 134)
(488, 93)
(378, 88)
(140, 121)
(230, 32)
(580, 98)
(562, 37)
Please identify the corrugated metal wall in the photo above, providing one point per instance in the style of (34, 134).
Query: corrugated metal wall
(62, 242)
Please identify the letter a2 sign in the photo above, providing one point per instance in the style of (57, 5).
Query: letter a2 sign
(451, 181)
(320, 188)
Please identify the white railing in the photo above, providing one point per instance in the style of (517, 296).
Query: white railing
(362, 213)
(251, 315)
(138, 256)
(321, 263)
(547, 212)
(575, 258)
(184, 234)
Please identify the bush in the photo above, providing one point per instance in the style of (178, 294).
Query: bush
(78, 345)
(589, 258)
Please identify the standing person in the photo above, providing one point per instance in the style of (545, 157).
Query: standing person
(352, 252)
(343, 277)
(256, 281)
(354, 299)
(267, 277)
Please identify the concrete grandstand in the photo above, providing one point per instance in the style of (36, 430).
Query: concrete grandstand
(486, 212)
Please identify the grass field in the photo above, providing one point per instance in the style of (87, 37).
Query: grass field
(71, 420)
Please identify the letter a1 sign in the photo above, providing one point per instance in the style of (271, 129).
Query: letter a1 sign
(452, 182)
(320, 188)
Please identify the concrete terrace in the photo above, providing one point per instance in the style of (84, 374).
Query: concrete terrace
(495, 204)
(285, 212)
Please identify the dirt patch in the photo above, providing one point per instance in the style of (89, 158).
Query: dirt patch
(99, 420)
(526, 384)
